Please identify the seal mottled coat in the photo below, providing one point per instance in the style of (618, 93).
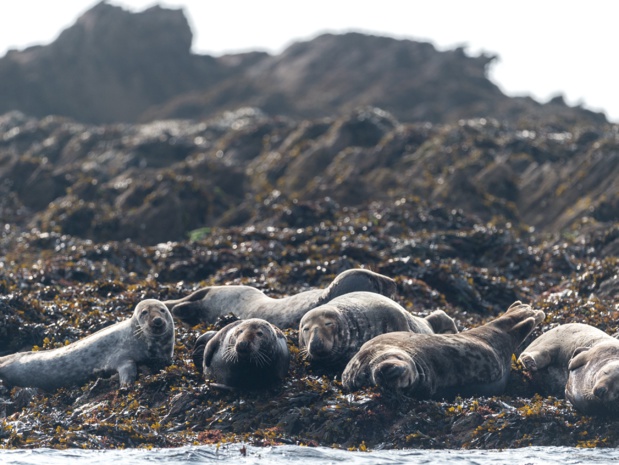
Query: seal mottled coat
(332, 333)
(245, 354)
(210, 303)
(577, 361)
(147, 337)
(473, 362)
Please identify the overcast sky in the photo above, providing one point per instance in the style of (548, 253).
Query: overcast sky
(546, 47)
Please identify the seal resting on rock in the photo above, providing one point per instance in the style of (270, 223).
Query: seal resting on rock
(331, 334)
(577, 361)
(147, 337)
(209, 303)
(245, 354)
(547, 358)
(430, 366)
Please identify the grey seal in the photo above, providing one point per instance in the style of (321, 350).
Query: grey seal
(329, 335)
(547, 358)
(245, 354)
(430, 366)
(577, 361)
(209, 303)
(147, 337)
(593, 381)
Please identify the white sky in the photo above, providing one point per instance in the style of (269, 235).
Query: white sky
(546, 47)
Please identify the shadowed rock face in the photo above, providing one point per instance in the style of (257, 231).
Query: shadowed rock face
(116, 66)
(157, 182)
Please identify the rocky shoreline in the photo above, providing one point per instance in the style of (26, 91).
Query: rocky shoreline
(466, 217)
(56, 288)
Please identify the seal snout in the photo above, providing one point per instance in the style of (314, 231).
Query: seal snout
(600, 392)
(243, 347)
(394, 372)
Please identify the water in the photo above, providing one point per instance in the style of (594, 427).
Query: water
(308, 456)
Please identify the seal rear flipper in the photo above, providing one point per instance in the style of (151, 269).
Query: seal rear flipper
(197, 354)
(188, 312)
(521, 330)
(442, 323)
(193, 297)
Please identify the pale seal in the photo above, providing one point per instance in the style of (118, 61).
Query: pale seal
(473, 362)
(331, 334)
(245, 354)
(145, 338)
(209, 303)
(579, 362)
(593, 381)
(547, 358)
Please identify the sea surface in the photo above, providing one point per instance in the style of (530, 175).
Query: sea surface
(280, 455)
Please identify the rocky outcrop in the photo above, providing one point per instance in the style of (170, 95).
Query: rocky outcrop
(117, 66)
(159, 181)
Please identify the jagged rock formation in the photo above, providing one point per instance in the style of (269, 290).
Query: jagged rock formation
(116, 66)
(159, 181)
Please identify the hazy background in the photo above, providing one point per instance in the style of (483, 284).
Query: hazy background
(545, 48)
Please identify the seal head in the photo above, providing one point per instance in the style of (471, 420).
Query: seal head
(331, 334)
(593, 380)
(245, 354)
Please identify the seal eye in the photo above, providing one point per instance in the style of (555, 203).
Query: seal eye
(144, 312)
(329, 323)
(259, 333)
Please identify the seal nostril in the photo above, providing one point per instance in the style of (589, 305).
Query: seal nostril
(158, 321)
(600, 391)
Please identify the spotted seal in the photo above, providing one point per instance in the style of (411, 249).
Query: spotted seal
(209, 303)
(245, 354)
(473, 362)
(329, 335)
(577, 361)
(147, 337)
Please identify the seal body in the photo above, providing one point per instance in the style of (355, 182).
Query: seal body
(209, 303)
(332, 333)
(547, 358)
(245, 354)
(473, 362)
(147, 337)
(593, 380)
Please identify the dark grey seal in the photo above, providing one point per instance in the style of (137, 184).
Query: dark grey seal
(430, 366)
(147, 337)
(209, 303)
(331, 334)
(577, 361)
(245, 354)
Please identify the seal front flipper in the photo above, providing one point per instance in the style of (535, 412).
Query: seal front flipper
(579, 358)
(197, 354)
(127, 373)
